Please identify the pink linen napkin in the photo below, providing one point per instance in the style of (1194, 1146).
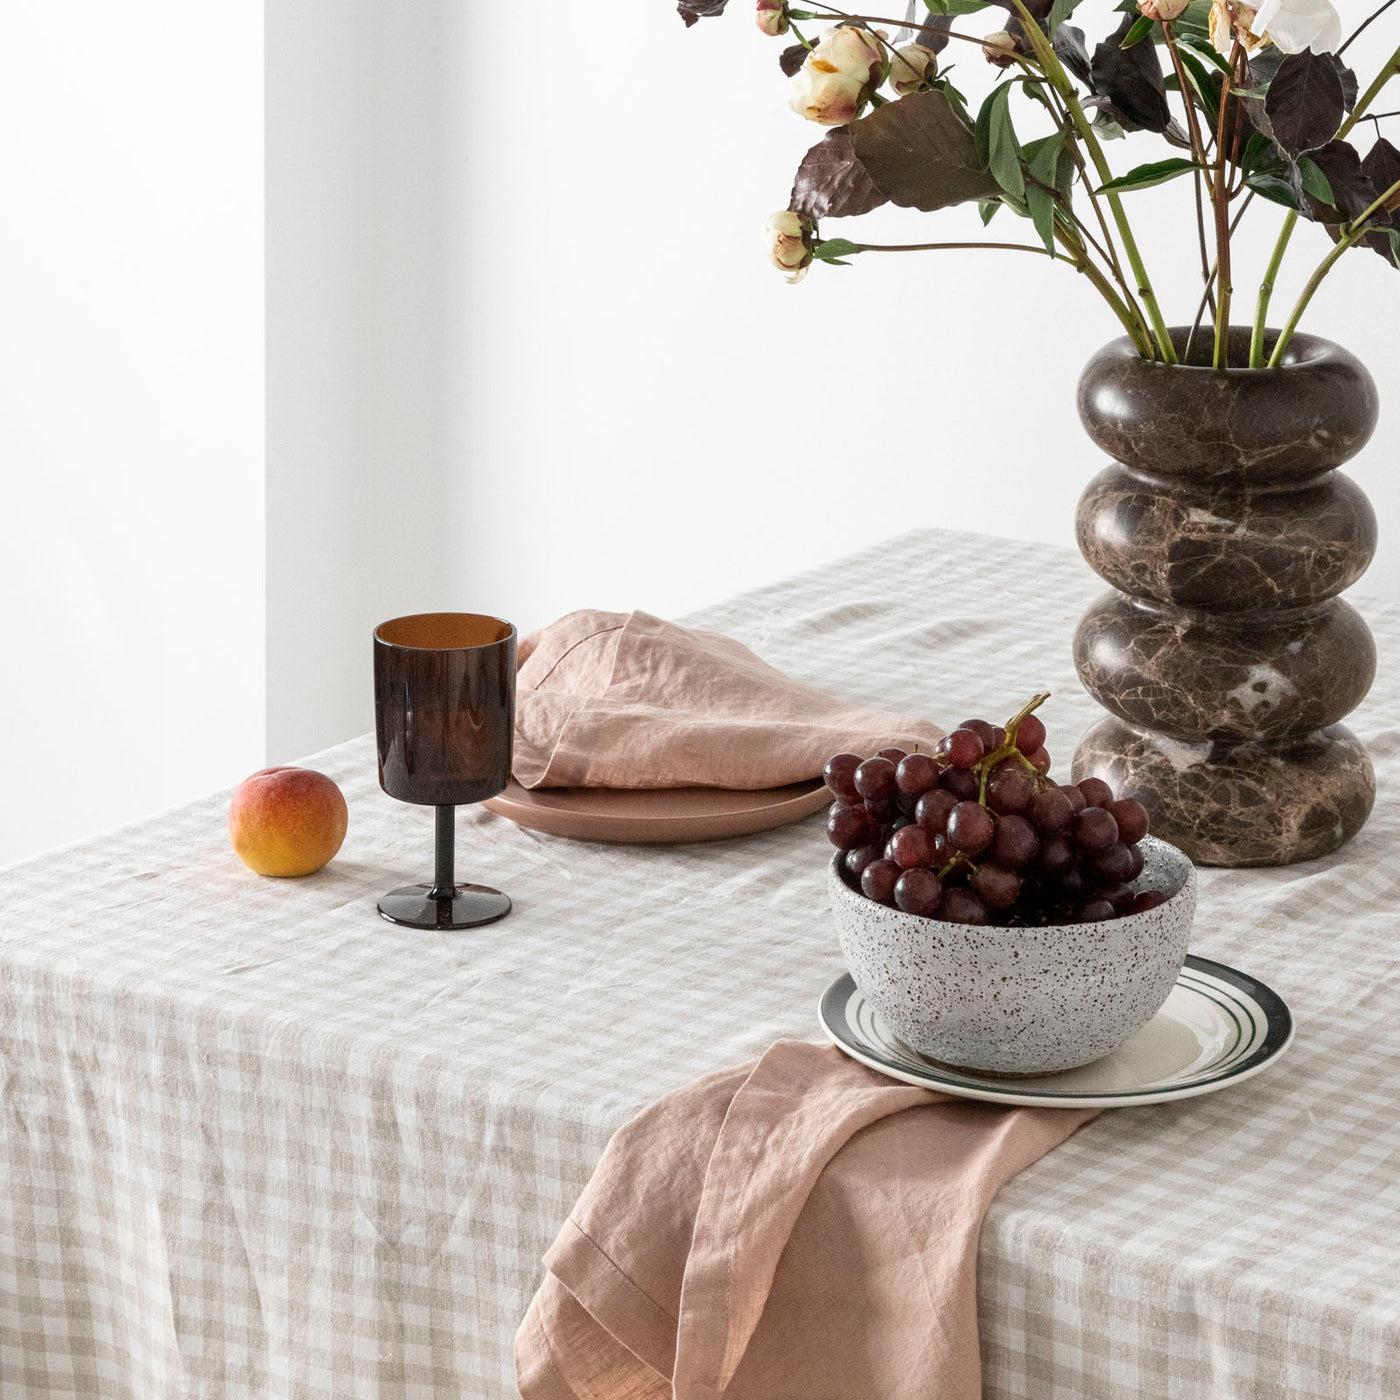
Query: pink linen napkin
(800, 1227)
(622, 700)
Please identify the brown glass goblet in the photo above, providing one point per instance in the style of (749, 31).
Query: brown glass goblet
(444, 717)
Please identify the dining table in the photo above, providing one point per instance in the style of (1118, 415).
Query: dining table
(258, 1142)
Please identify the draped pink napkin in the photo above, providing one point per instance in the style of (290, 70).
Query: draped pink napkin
(798, 1227)
(623, 700)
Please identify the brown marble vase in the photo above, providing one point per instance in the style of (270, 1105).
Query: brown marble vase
(1223, 654)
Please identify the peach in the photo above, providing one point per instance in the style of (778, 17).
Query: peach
(287, 821)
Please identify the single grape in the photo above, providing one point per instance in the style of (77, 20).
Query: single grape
(877, 881)
(1009, 789)
(875, 779)
(1072, 886)
(918, 892)
(996, 886)
(961, 782)
(963, 748)
(1147, 899)
(849, 827)
(895, 755)
(1097, 793)
(1095, 911)
(970, 828)
(855, 861)
(1138, 862)
(1040, 761)
(1112, 866)
(906, 804)
(1056, 857)
(883, 809)
(1077, 800)
(1030, 734)
(982, 730)
(933, 811)
(916, 774)
(942, 851)
(961, 906)
(1050, 812)
(1131, 817)
(998, 739)
(1014, 842)
(900, 822)
(1119, 896)
(1095, 829)
(910, 847)
(839, 775)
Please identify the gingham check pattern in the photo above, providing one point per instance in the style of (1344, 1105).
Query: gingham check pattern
(256, 1142)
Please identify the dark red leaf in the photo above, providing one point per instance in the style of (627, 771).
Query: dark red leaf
(832, 183)
(792, 58)
(1304, 105)
(691, 10)
(1352, 189)
(1131, 81)
(1382, 167)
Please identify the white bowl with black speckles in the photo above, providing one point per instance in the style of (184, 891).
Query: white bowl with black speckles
(1019, 1000)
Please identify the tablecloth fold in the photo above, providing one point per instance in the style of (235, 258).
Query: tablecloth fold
(622, 700)
(799, 1227)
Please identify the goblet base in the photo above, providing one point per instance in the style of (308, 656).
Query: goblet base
(468, 906)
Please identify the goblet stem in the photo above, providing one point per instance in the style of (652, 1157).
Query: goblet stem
(444, 880)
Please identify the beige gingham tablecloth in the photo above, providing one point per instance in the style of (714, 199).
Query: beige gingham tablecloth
(257, 1142)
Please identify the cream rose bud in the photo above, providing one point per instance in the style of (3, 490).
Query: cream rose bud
(999, 48)
(912, 69)
(1229, 19)
(1295, 25)
(854, 52)
(773, 17)
(789, 238)
(827, 97)
(1162, 9)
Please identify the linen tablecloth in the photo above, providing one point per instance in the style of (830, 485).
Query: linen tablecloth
(257, 1142)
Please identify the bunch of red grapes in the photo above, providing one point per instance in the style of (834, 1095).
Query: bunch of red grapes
(977, 832)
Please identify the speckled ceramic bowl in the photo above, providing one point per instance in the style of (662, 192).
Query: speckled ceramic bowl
(1019, 1000)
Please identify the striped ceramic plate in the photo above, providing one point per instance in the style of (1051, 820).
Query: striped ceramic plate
(1218, 1027)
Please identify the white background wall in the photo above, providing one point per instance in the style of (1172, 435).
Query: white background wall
(131, 400)
(523, 354)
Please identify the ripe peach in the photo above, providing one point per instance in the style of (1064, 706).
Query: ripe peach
(287, 821)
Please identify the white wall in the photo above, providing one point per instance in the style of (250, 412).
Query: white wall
(643, 413)
(356, 257)
(130, 408)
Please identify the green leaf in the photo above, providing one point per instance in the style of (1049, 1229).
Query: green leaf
(1394, 235)
(1157, 172)
(1314, 181)
(987, 208)
(1041, 204)
(956, 7)
(997, 143)
(1206, 84)
(1274, 187)
(1140, 30)
(1204, 49)
(1060, 11)
(832, 249)
(921, 152)
(1258, 152)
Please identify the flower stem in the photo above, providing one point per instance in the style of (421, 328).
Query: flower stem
(1054, 71)
(1266, 291)
(1353, 233)
(933, 247)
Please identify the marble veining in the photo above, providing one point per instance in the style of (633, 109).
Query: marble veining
(1223, 653)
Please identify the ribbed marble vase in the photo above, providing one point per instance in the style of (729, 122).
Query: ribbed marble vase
(1224, 655)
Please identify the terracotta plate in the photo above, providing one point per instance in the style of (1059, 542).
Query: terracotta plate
(658, 815)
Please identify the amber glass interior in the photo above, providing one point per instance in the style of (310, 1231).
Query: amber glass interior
(444, 707)
(443, 631)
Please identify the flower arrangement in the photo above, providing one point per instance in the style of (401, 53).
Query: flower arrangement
(1257, 102)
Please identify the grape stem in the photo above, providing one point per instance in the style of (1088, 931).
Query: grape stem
(987, 764)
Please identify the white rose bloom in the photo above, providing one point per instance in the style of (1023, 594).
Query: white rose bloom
(1223, 31)
(1295, 25)
(825, 96)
